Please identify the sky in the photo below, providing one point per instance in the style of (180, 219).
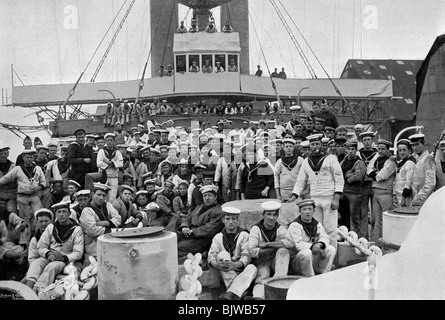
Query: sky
(52, 41)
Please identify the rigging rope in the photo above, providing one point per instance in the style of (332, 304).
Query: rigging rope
(185, 17)
(128, 41)
(73, 90)
(228, 13)
(310, 48)
(276, 44)
(110, 45)
(168, 33)
(265, 60)
(294, 40)
(17, 76)
(58, 41)
(79, 40)
(141, 82)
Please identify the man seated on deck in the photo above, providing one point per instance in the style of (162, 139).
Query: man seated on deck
(229, 253)
(196, 231)
(98, 218)
(61, 243)
(307, 238)
(267, 247)
(130, 216)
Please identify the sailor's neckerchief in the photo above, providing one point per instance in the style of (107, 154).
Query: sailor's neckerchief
(29, 174)
(365, 158)
(309, 228)
(347, 164)
(62, 233)
(380, 162)
(269, 235)
(401, 163)
(319, 159)
(102, 212)
(229, 241)
(289, 162)
(63, 166)
(109, 153)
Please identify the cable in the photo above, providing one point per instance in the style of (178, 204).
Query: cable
(73, 90)
(128, 41)
(294, 40)
(277, 43)
(310, 48)
(110, 45)
(79, 39)
(265, 61)
(185, 17)
(168, 32)
(141, 82)
(17, 75)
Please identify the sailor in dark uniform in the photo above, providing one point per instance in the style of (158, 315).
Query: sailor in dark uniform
(194, 26)
(182, 28)
(77, 158)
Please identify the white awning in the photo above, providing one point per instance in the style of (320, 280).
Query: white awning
(202, 84)
(206, 42)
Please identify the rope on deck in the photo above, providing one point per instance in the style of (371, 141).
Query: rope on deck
(387, 245)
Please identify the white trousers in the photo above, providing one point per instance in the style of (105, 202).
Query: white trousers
(236, 282)
(307, 264)
(327, 217)
(279, 266)
(43, 272)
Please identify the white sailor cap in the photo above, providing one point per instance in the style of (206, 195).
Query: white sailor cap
(231, 211)
(416, 137)
(101, 186)
(29, 151)
(43, 210)
(60, 205)
(314, 137)
(127, 187)
(325, 140)
(288, 140)
(367, 134)
(271, 205)
(141, 192)
(109, 134)
(84, 192)
(147, 147)
(385, 142)
(74, 183)
(150, 181)
(359, 126)
(294, 108)
(306, 202)
(209, 188)
(141, 126)
(305, 144)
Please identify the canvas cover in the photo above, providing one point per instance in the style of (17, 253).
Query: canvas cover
(206, 42)
(206, 84)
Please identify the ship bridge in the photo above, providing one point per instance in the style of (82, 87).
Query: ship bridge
(206, 62)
